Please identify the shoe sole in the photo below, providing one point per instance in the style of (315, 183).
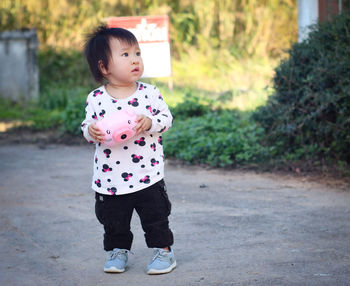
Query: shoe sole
(162, 271)
(113, 270)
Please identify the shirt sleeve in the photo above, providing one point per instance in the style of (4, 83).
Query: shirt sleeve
(161, 117)
(90, 117)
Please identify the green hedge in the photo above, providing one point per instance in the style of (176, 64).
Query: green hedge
(308, 117)
(217, 138)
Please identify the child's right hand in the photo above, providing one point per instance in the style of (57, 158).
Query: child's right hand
(96, 133)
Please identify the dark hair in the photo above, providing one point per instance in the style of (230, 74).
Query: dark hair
(97, 47)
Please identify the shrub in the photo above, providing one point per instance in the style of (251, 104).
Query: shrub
(309, 114)
(66, 68)
(65, 81)
(74, 114)
(222, 138)
(192, 106)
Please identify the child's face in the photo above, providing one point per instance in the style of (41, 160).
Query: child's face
(125, 65)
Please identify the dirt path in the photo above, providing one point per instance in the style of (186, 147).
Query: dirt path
(231, 228)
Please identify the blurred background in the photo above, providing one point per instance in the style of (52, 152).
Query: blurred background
(244, 92)
(217, 46)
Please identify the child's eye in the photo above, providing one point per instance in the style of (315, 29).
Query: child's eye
(125, 55)
(138, 54)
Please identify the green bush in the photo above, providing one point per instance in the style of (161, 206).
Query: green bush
(64, 68)
(309, 114)
(11, 110)
(74, 114)
(30, 114)
(192, 106)
(65, 81)
(42, 119)
(222, 138)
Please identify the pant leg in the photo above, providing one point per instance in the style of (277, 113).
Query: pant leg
(114, 213)
(153, 207)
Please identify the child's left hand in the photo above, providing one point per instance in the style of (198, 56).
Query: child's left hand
(144, 123)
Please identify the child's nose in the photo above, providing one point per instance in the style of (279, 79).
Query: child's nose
(135, 60)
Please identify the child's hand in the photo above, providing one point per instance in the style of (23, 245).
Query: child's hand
(143, 124)
(96, 133)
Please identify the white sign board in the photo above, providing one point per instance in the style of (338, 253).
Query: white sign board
(152, 33)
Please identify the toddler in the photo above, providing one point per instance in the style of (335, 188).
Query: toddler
(128, 176)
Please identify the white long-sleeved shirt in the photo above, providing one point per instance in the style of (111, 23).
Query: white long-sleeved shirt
(138, 163)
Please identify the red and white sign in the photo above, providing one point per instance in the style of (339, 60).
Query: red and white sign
(152, 33)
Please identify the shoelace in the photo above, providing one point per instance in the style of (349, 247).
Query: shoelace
(118, 253)
(159, 253)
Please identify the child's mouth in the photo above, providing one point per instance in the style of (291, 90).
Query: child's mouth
(135, 70)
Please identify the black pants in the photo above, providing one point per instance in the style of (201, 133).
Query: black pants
(153, 207)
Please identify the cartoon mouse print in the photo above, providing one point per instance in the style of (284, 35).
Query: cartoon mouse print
(102, 113)
(145, 180)
(156, 112)
(140, 141)
(133, 102)
(106, 168)
(107, 152)
(142, 87)
(154, 162)
(112, 190)
(153, 147)
(136, 158)
(126, 176)
(97, 92)
(98, 183)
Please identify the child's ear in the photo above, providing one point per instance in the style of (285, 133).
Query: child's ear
(102, 68)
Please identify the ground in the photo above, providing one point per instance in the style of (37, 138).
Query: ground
(230, 227)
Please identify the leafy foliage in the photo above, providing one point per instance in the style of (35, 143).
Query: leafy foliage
(74, 114)
(215, 45)
(67, 68)
(253, 27)
(307, 117)
(41, 119)
(221, 137)
(192, 106)
(64, 84)
(309, 114)
(217, 138)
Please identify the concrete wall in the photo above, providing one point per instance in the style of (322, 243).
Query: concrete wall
(307, 15)
(19, 73)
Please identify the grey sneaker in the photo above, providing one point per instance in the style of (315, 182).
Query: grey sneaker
(116, 260)
(162, 262)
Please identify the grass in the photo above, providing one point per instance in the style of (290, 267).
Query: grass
(227, 82)
(243, 100)
(242, 84)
